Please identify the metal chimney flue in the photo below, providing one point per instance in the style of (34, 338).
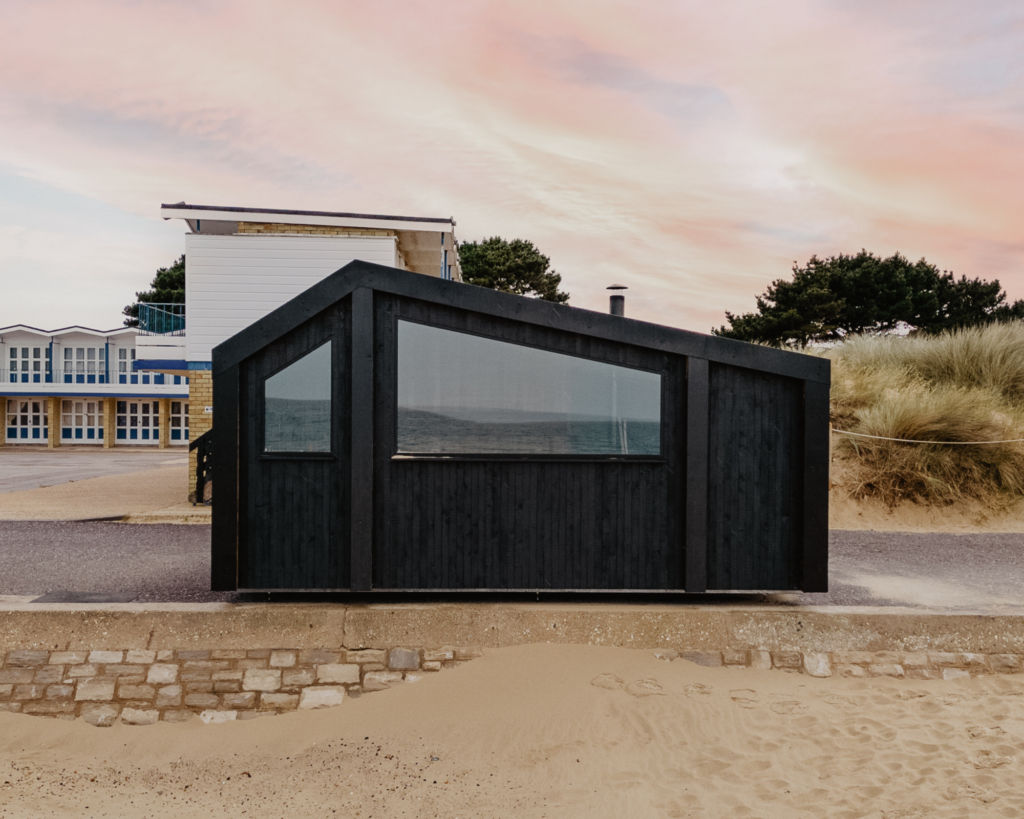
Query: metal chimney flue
(617, 302)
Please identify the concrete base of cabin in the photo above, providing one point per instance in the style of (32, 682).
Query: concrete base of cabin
(143, 664)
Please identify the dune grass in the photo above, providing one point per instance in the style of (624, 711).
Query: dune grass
(963, 386)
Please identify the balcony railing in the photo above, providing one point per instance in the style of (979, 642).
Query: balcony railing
(161, 319)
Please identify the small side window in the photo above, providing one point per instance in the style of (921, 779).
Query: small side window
(297, 405)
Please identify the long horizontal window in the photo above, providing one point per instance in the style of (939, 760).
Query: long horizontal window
(297, 408)
(463, 394)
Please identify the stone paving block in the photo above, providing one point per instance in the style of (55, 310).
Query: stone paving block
(438, 655)
(916, 659)
(201, 675)
(761, 660)
(178, 716)
(139, 716)
(135, 692)
(405, 659)
(787, 659)
(975, 662)
(733, 657)
(379, 680)
(468, 652)
(432, 666)
(10, 706)
(100, 714)
(260, 679)
(59, 692)
(915, 673)
(224, 676)
(853, 657)
(380, 666)
(955, 674)
(5, 691)
(282, 659)
(243, 715)
(95, 690)
(206, 665)
(68, 657)
(48, 707)
(87, 670)
(318, 656)
(162, 673)
(117, 670)
(298, 677)
(885, 670)
(202, 700)
(849, 670)
(213, 717)
(943, 658)
(817, 664)
(168, 696)
(367, 655)
(253, 663)
(228, 654)
(258, 653)
(138, 656)
(17, 675)
(227, 687)
(165, 656)
(48, 674)
(708, 659)
(887, 658)
(338, 673)
(194, 654)
(281, 702)
(246, 699)
(105, 657)
(322, 696)
(198, 687)
(28, 692)
(22, 659)
(1005, 662)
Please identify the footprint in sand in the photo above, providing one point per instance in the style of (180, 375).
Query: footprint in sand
(744, 697)
(840, 701)
(788, 707)
(977, 732)
(910, 695)
(959, 790)
(644, 688)
(609, 681)
(983, 760)
(697, 689)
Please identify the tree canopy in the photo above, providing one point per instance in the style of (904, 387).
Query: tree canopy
(168, 287)
(512, 267)
(833, 297)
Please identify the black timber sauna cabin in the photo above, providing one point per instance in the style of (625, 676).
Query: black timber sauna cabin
(386, 431)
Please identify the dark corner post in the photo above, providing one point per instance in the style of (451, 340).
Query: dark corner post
(362, 439)
(814, 568)
(224, 543)
(696, 474)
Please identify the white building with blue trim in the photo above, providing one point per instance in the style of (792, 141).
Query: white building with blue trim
(77, 385)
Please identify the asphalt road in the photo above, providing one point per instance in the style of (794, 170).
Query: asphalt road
(117, 562)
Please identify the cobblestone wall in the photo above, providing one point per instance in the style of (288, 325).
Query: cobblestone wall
(142, 687)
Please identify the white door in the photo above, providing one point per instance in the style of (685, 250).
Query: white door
(27, 421)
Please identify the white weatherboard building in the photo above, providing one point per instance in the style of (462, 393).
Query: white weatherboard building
(243, 263)
(79, 386)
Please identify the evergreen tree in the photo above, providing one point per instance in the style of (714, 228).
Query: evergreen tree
(168, 287)
(512, 267)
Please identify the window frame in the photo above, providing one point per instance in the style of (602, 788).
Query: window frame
(261, 415)
(399, 456)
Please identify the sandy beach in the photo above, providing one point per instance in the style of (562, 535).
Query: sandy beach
(554, 731)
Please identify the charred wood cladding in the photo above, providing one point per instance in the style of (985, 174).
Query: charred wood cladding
(385, 431)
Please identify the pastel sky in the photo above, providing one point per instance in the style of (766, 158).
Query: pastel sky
(690, 150)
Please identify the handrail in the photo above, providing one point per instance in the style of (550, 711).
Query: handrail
(204, 466)
(161, 319)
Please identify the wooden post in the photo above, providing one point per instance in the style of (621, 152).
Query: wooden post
(361, 370)
(814, 563)
(224, 543)
(696, 474)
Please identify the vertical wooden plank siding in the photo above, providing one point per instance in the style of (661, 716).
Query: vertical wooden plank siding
(696, 474)
(755, 479)
(361, 539)
(814, 558)
(224, 535)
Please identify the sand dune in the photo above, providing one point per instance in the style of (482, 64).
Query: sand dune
(554, 731)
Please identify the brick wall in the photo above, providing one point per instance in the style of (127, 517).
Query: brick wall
(200, 396)
(272, 229)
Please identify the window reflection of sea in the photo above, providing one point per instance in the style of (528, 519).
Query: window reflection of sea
(420, 431)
